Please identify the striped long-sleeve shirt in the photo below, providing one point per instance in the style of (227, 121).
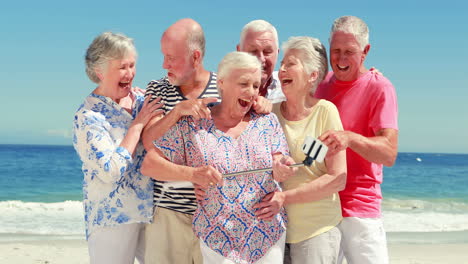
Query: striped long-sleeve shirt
(180, 199)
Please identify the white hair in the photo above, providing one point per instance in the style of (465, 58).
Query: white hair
(105, 47)
(258, 26)
(196, 40)
(352, 25)
(312, 55)
(237, 60)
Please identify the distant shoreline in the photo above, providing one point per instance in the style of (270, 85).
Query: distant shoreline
(71, 145)
(414, 238)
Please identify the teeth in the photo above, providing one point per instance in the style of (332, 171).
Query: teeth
(342, 67)
(245, 100)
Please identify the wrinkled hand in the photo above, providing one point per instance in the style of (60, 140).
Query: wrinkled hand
(195, 107)
(335, 141)
(148, 111)
(269, 206)
(281, 169)
(261, 105)
(206, 176)
(199, 192)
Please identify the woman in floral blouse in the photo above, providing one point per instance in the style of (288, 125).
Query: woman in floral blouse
(235, 139)
(107, 127)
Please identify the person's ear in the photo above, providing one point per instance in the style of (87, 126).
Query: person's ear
(196, 56)
(219, 84)
(99, 73)
(365, 51)
(313, 77)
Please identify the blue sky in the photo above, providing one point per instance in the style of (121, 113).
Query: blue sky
(421, 47)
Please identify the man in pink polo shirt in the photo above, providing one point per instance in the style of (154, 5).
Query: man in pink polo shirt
(368, 109)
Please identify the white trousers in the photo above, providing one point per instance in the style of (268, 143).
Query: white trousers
(363, 241)
(117, 245)
(274, 255)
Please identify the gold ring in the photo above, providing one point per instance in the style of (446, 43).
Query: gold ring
(211, 183)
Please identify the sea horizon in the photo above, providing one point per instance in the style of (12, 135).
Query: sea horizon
(71, 145)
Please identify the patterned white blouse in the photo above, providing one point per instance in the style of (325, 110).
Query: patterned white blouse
(114, 191)
(225, 220)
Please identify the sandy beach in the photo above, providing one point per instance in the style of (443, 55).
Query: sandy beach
(44, 252)
(75, 252)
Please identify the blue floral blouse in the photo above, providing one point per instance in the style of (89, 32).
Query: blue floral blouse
(114, 191)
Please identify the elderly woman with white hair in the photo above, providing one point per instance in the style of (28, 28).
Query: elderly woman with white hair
(235, 139)
(117, 199)
(311, 196)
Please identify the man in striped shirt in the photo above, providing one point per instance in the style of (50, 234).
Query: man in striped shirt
(186, 90)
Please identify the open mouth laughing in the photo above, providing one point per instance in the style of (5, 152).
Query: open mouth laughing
(125, 85)
(342, 68)
(286, 81)
(245, 102)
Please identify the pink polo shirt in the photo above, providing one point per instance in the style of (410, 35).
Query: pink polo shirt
(366, 106)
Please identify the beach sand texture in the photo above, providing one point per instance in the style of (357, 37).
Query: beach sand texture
(75, 252)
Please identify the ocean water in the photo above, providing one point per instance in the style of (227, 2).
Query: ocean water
(425, 195)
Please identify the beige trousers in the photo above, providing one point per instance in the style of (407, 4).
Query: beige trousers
(170, 239)
(320, 249)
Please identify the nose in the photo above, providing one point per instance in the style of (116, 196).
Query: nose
(165, 64)
(252, 92)
(282, 68)
(129, 73)
(342, 57)
(261, 57)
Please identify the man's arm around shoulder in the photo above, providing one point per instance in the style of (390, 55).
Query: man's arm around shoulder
(381, 148)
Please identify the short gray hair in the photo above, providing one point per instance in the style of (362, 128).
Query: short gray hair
(352, 25)
(258, 26)
(196, 40)
(312, 54)
(237, 60)
(105, 47)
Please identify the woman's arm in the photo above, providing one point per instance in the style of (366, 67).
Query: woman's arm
(149, 111)
(281, 169)
(156, 166)
(333, 181)
(159, 126)
(97, 148)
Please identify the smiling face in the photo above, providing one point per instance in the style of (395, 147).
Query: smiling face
(116, 78)
(239, 90)
(177, 60)
(294, 78)
(263, 46)
(346, 56)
